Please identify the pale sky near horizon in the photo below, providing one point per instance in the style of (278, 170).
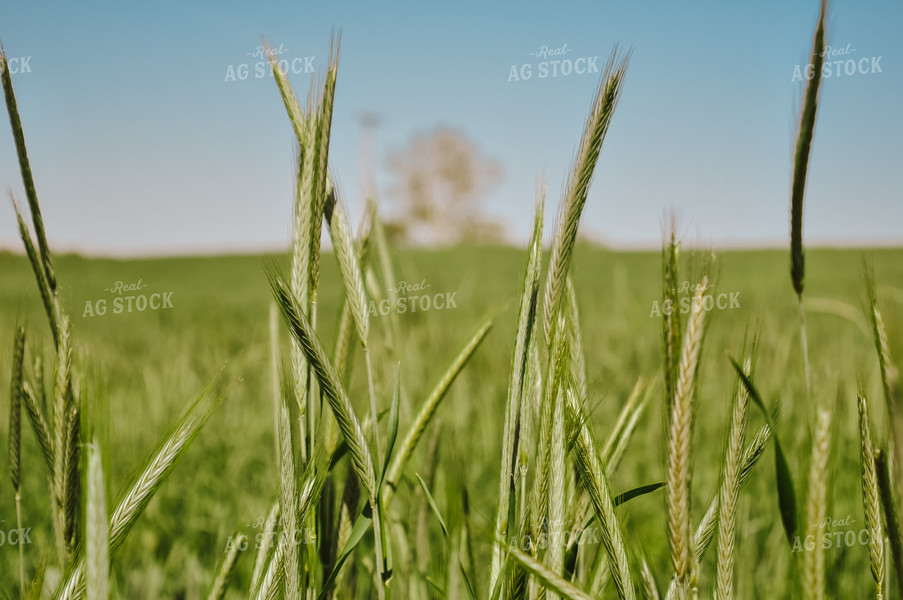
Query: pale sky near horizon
(141, 144)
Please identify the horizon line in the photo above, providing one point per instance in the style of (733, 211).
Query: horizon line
(252, 250)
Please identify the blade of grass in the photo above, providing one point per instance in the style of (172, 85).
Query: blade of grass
(547, 578)
(357, 533)
(428, 409)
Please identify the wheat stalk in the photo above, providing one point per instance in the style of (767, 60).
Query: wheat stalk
(671, 327)
(594, 479)
(579, 179)
(625, 425)
(39, 426)
(557, 454)
(15, 436)
(889, 373)
(678, 478)
(341, 355)
(322, 132)
(526, 321)
(891, 515)
(870, 497)
(46, 264)
(649, 586)
(48, 297)
(338, 401)
(143, 488)
(705, 531)
(329, 383)
(817, 506)
(270, 582)
(302, 233)
(798, 187)
(266, 543)
(730, 488)
(62, 482)
(224, 573)
(343, 246)
(347, 257)
(289, 507)
(575, 339)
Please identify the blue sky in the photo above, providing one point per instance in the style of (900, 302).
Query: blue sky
(140, 146)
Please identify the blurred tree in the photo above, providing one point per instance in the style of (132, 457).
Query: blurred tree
(440, 179)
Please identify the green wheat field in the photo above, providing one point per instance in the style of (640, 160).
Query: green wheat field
(537, 423)
(150, 365)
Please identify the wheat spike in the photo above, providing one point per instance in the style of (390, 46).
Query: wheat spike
(671, 326)
(343, 246)
(270, 582)
(870, 497)
(266, 545)
(223, 574)
(329, 382)
(141, 491)
(730, 489)
(649, 586)
(595, 480)
(801, 156)
(27, 177)
(891, 515)
(817, 507)
(557, 455)
(289, 508)
(579, 179)
(15, 436)
(39, 426)
(15, 407)
(679, 439)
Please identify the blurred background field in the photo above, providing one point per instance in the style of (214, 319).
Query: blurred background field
(149, 365)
